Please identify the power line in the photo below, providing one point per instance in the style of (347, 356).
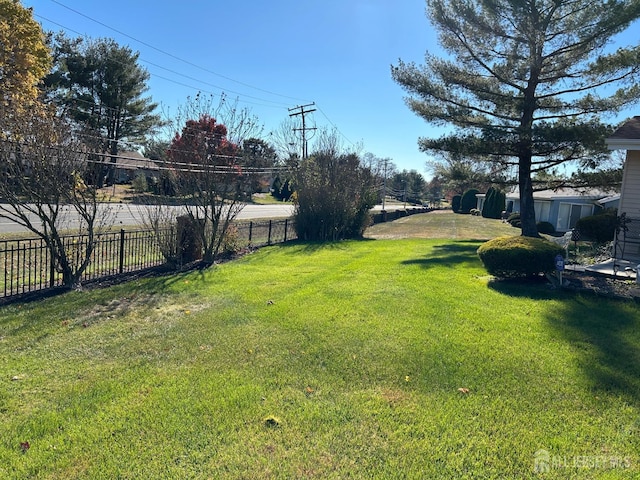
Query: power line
(187, 62)
(334, 126)
(264, 101)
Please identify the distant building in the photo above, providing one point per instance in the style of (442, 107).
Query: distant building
(131, 164)
(562, 207)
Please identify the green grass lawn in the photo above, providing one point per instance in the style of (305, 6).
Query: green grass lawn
(442, 224)
(322, 361)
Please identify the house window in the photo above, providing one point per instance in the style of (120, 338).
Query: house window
(570, 213)
(542, 211)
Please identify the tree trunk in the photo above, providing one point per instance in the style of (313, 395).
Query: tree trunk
(525, 151)
(527, 210)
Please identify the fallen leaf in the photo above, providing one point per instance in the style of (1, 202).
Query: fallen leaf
(463, 390)
(24, 446)
(272, 422)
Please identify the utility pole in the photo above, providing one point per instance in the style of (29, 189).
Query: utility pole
(384, 182)
(304, 128)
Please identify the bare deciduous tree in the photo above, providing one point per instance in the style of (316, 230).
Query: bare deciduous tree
(45, 184)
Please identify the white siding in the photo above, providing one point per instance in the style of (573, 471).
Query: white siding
(630, 201)
(630, 198)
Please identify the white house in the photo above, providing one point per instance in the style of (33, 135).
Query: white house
(627, 137)
(562, 207)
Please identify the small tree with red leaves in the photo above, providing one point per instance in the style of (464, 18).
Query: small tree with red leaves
(209, 175)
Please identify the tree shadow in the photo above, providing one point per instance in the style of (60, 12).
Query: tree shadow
(450, 255)
(606, 338)
(604, 333)
(307, 246)
(535, 288)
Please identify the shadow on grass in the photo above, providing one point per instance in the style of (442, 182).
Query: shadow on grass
(315, 246)
(448, 255)
(604, 333)
(606, 337)
(537, 288)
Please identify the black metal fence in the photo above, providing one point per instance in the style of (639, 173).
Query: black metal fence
(262, 233)
(27, 265)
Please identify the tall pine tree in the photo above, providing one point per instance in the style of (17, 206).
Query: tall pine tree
(101, 86)
(525, 82)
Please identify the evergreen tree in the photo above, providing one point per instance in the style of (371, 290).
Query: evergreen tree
(525, 82)
(469, 200)
(101, 86)
(489, 200)
(494, 203)
(455, 203)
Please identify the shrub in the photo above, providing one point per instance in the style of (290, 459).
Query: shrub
(514, 220)
(468, 201)
(510, 257)
(231, 241)
(546, 228)
(334, 192)
(139, 183)
(599, 228)
(455, 203)
(494, 203)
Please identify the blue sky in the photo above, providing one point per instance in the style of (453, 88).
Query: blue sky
(335, 53)
(274, 55)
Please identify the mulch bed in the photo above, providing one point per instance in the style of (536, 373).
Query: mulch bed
(602, 285)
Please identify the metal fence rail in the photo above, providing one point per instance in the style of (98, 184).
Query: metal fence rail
(262, 233)
(27, 265)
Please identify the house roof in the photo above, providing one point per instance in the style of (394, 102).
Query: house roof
(134, 161)
(612, 198)
(626, 137)
(565, 194)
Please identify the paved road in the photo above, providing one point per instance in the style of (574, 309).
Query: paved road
(128, 215)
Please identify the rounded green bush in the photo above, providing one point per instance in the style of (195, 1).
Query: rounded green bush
(599, 228)
(546, 228)
(510, 257)
(455, 203)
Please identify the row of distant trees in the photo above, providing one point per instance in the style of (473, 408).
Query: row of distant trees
(493, 206)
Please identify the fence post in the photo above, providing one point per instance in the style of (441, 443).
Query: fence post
(250, 231)
(286, 222)
(269, 238)
(121, 250)
(52, 271)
